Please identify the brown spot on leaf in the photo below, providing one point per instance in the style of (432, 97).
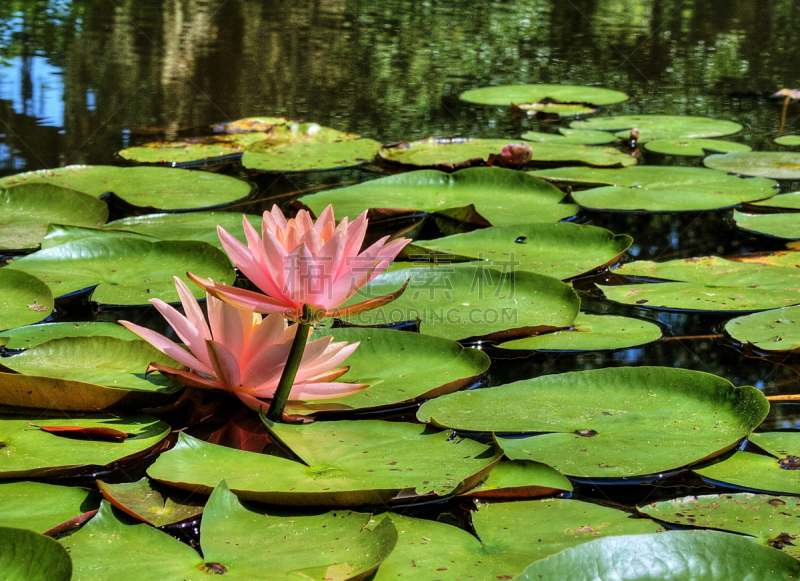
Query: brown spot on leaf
(789, 463)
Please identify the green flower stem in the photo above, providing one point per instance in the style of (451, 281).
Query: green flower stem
(278, 403)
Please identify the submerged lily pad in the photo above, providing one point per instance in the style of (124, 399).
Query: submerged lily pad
(694, 146)
(24, 299)
(669, 556)
(40, 507)
(772, 521)
(562, 250)
(652, 127)
(790, 140)
(767, 164)
(777, 473)
(512, 535)
(467, 302)
(779, 225)
(201, 226)
(708, 284)
(125, 271)
(140, 500)
(157, 187)
(30, 451)
(659, 189)
(571, 136)
(399, 367)
(462, 153)
(33, 335)
(28, 556)
(609, 423)
(346, 463)
(26, 211)
(242, 543)
(521, 480)
(191, 150)
(501, 196)
(592, 333)
(775, 330)
(546, 98)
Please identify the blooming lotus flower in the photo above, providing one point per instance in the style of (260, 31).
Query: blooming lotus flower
(299, 262)
(244, 353)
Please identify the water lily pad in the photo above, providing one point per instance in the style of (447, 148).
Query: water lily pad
(777, 473)
(592, 333)
(512, 535)
(192, 150)
(652, 127)
(237, 541)
(562, 250)
(772, 521)
(28, 556)
(125, 271)
(659, 188)
(609, 423)
(501, 196)
(58, 234)
(26, 210)
(140, 500)
(40, 507)
(790, 140)
(24, 299)
(399, 367)
(32, 452)
(33, 335)
(775, 330)
(767, 164)
(694, 146)
(779, 225)
(248, 125)
(462, 153)
(571, 136)
(545, 98)
(157, 187)
(708, 284)
(669, 556)
(200, 226)
(346, 463)
(521, 480)
(788, 201)
(476, 301)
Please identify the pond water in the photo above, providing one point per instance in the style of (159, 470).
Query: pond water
(80, 80)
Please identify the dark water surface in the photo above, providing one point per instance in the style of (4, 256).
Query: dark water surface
(81, 79)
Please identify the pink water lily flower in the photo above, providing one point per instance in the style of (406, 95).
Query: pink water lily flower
(244, 353)
(299, 262)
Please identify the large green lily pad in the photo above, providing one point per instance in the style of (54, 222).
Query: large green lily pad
(562, 250)
(669, 556)
(708, 284)
(192, 150)
(772, 521)
(777, 473)
(788, 201)
(28, 556)
(694, 146)
(768, 164)
(461, 153)
(545, 98)
(501, 196)
(346, 463)
(779, 225)
(659, 188)
(652, 127)
(775, 330)
(469, 302)
(592, 333)
(512, 535)
(399, 367)
(29, 451)
(26, 211)
(141, 500)
(200, 226)
(33, 335)
(571, 136)
(58, 234)
(521, 480)
(126, 271)
(240, 542)
(40, 507)
(790, 140)
(609, 423)
(24, 299)
(157, 187)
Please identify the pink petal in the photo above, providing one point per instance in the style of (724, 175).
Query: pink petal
(268, 335)
(226, 325)
(193, 311)
(168, 348)
(241, 256)
(245, 299)
(226, 367)
(192, 337)
(314, 391)
(336, 355)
